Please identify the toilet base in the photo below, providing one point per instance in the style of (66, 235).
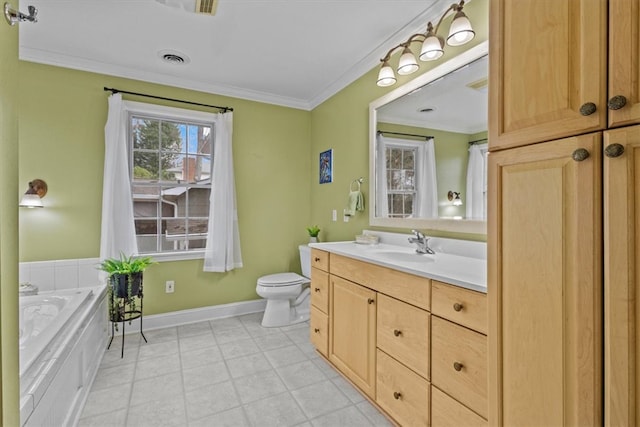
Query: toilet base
(279, 312)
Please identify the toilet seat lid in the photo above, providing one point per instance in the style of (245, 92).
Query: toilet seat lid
(281, 279)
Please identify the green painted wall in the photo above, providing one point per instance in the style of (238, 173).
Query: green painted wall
(9, 357)
(62, 118)
(342, 122)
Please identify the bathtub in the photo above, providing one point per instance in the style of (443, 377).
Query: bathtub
(62, 340)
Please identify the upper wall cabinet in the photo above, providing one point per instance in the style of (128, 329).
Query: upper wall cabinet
(549, 78)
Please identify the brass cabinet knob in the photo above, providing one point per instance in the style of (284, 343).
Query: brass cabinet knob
(617, 102)
(614, 150)
(397, 332)
(397, 395)
(371, 300)
(580, 154)
(458, 366)
(317, 289)
(317, 259)
(588, 108)
(316, 330)
(458, 307)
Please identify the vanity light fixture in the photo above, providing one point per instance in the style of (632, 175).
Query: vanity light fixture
(37, 190)
(454, 197)
(460, 32)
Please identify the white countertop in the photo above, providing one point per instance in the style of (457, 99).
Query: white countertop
(463, 271)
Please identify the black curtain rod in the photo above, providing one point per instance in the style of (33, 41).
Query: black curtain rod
(404, 134)
(224, 109)
(477, 140)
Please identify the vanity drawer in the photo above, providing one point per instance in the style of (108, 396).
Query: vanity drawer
(448, 412)
(403, 333)
(319, 330)
(402, 393)
(413, 289)
(459, 363)
(320, 259)
(320, 289)
(462, 306)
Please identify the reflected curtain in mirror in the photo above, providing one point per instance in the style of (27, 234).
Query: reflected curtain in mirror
(408, 186)
(477, 182)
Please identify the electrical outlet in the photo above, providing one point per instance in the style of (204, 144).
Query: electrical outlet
(169, 286)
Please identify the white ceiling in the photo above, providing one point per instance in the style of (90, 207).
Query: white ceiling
(295, 53)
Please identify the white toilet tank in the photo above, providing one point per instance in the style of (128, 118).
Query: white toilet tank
(305, 260)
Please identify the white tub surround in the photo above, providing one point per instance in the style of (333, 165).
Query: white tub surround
(62, 339)
(459, 262)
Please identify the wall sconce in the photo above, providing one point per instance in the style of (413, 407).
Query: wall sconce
(37, 190)
(14, 16)
(460, 33)
(454, 197)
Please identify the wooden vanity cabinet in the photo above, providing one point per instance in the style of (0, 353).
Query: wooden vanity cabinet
(319, 288)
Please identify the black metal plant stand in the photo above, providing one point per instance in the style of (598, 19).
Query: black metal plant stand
(123, 316)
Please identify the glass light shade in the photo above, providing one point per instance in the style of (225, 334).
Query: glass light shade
(31, 201)
(457, 201)
(386, 76)
(460, 31)
(408, 63)
(431, 48)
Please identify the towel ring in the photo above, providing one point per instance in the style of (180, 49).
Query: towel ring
(357, 182)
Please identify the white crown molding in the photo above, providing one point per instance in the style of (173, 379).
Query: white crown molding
(421, 124)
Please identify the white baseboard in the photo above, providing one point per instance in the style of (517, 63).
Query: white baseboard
(184, 317)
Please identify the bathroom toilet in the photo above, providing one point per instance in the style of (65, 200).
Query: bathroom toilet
(287, 294)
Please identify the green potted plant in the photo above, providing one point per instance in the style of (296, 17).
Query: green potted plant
(313, 233)
(125, 282)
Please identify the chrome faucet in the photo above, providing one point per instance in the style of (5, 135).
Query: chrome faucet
(421, 242)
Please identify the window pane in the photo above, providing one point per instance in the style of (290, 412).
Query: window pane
(145, 133)
(173, 137)
(202, 169)
(204, 140)
(409, 179)
(407, 160)
(408, 205)
(174, 167)
(145, 166)
(396, 158)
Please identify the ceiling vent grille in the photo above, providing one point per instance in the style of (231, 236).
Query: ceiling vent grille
(173, 57)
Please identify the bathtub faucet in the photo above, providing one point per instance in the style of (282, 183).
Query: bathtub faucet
(422, 243)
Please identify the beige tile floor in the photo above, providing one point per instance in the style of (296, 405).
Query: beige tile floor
(226, 372)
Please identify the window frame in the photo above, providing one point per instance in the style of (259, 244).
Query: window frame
(162, 112)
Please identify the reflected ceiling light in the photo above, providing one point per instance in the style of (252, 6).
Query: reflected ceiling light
(37, 190)
(460, 32)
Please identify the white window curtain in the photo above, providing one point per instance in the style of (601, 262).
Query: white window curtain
(222, 252)
(382, 204)
(118, 231)
(426, 204)
(476, 203)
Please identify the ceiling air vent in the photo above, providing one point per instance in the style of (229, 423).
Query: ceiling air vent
(173, 57)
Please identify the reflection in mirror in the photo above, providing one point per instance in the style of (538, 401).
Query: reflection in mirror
(429, 140)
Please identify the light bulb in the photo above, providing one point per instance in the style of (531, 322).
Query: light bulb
(386, 76)
(408, 63)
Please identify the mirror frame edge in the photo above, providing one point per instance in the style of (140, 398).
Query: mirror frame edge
(440, 224)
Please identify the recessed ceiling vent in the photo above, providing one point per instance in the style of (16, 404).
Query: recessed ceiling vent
(206, 7)
(174, 57)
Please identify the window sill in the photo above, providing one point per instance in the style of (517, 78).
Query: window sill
(175, 256)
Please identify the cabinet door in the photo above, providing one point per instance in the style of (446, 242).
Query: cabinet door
(545, 284)
(548, 59)
(352, 335)
(624, 69)
(621, 278)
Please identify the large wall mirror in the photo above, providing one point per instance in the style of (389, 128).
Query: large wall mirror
(428, 149)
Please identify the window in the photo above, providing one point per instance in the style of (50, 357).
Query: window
(170, 163)
(401, 188)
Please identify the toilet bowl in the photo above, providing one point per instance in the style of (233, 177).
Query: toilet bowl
(287, 294)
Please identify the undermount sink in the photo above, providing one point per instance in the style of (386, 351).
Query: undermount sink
(402, 256)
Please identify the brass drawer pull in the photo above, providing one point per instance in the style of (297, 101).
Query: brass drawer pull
(580, 154)
(458, 307)
(397, 395)
(588, 108)
(316, 330)
(317, 259)
(397, 332)
(371, 300)
(458, 366)
(317, 289)
(614, 150)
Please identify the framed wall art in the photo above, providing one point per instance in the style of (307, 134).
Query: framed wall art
(326, 166)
